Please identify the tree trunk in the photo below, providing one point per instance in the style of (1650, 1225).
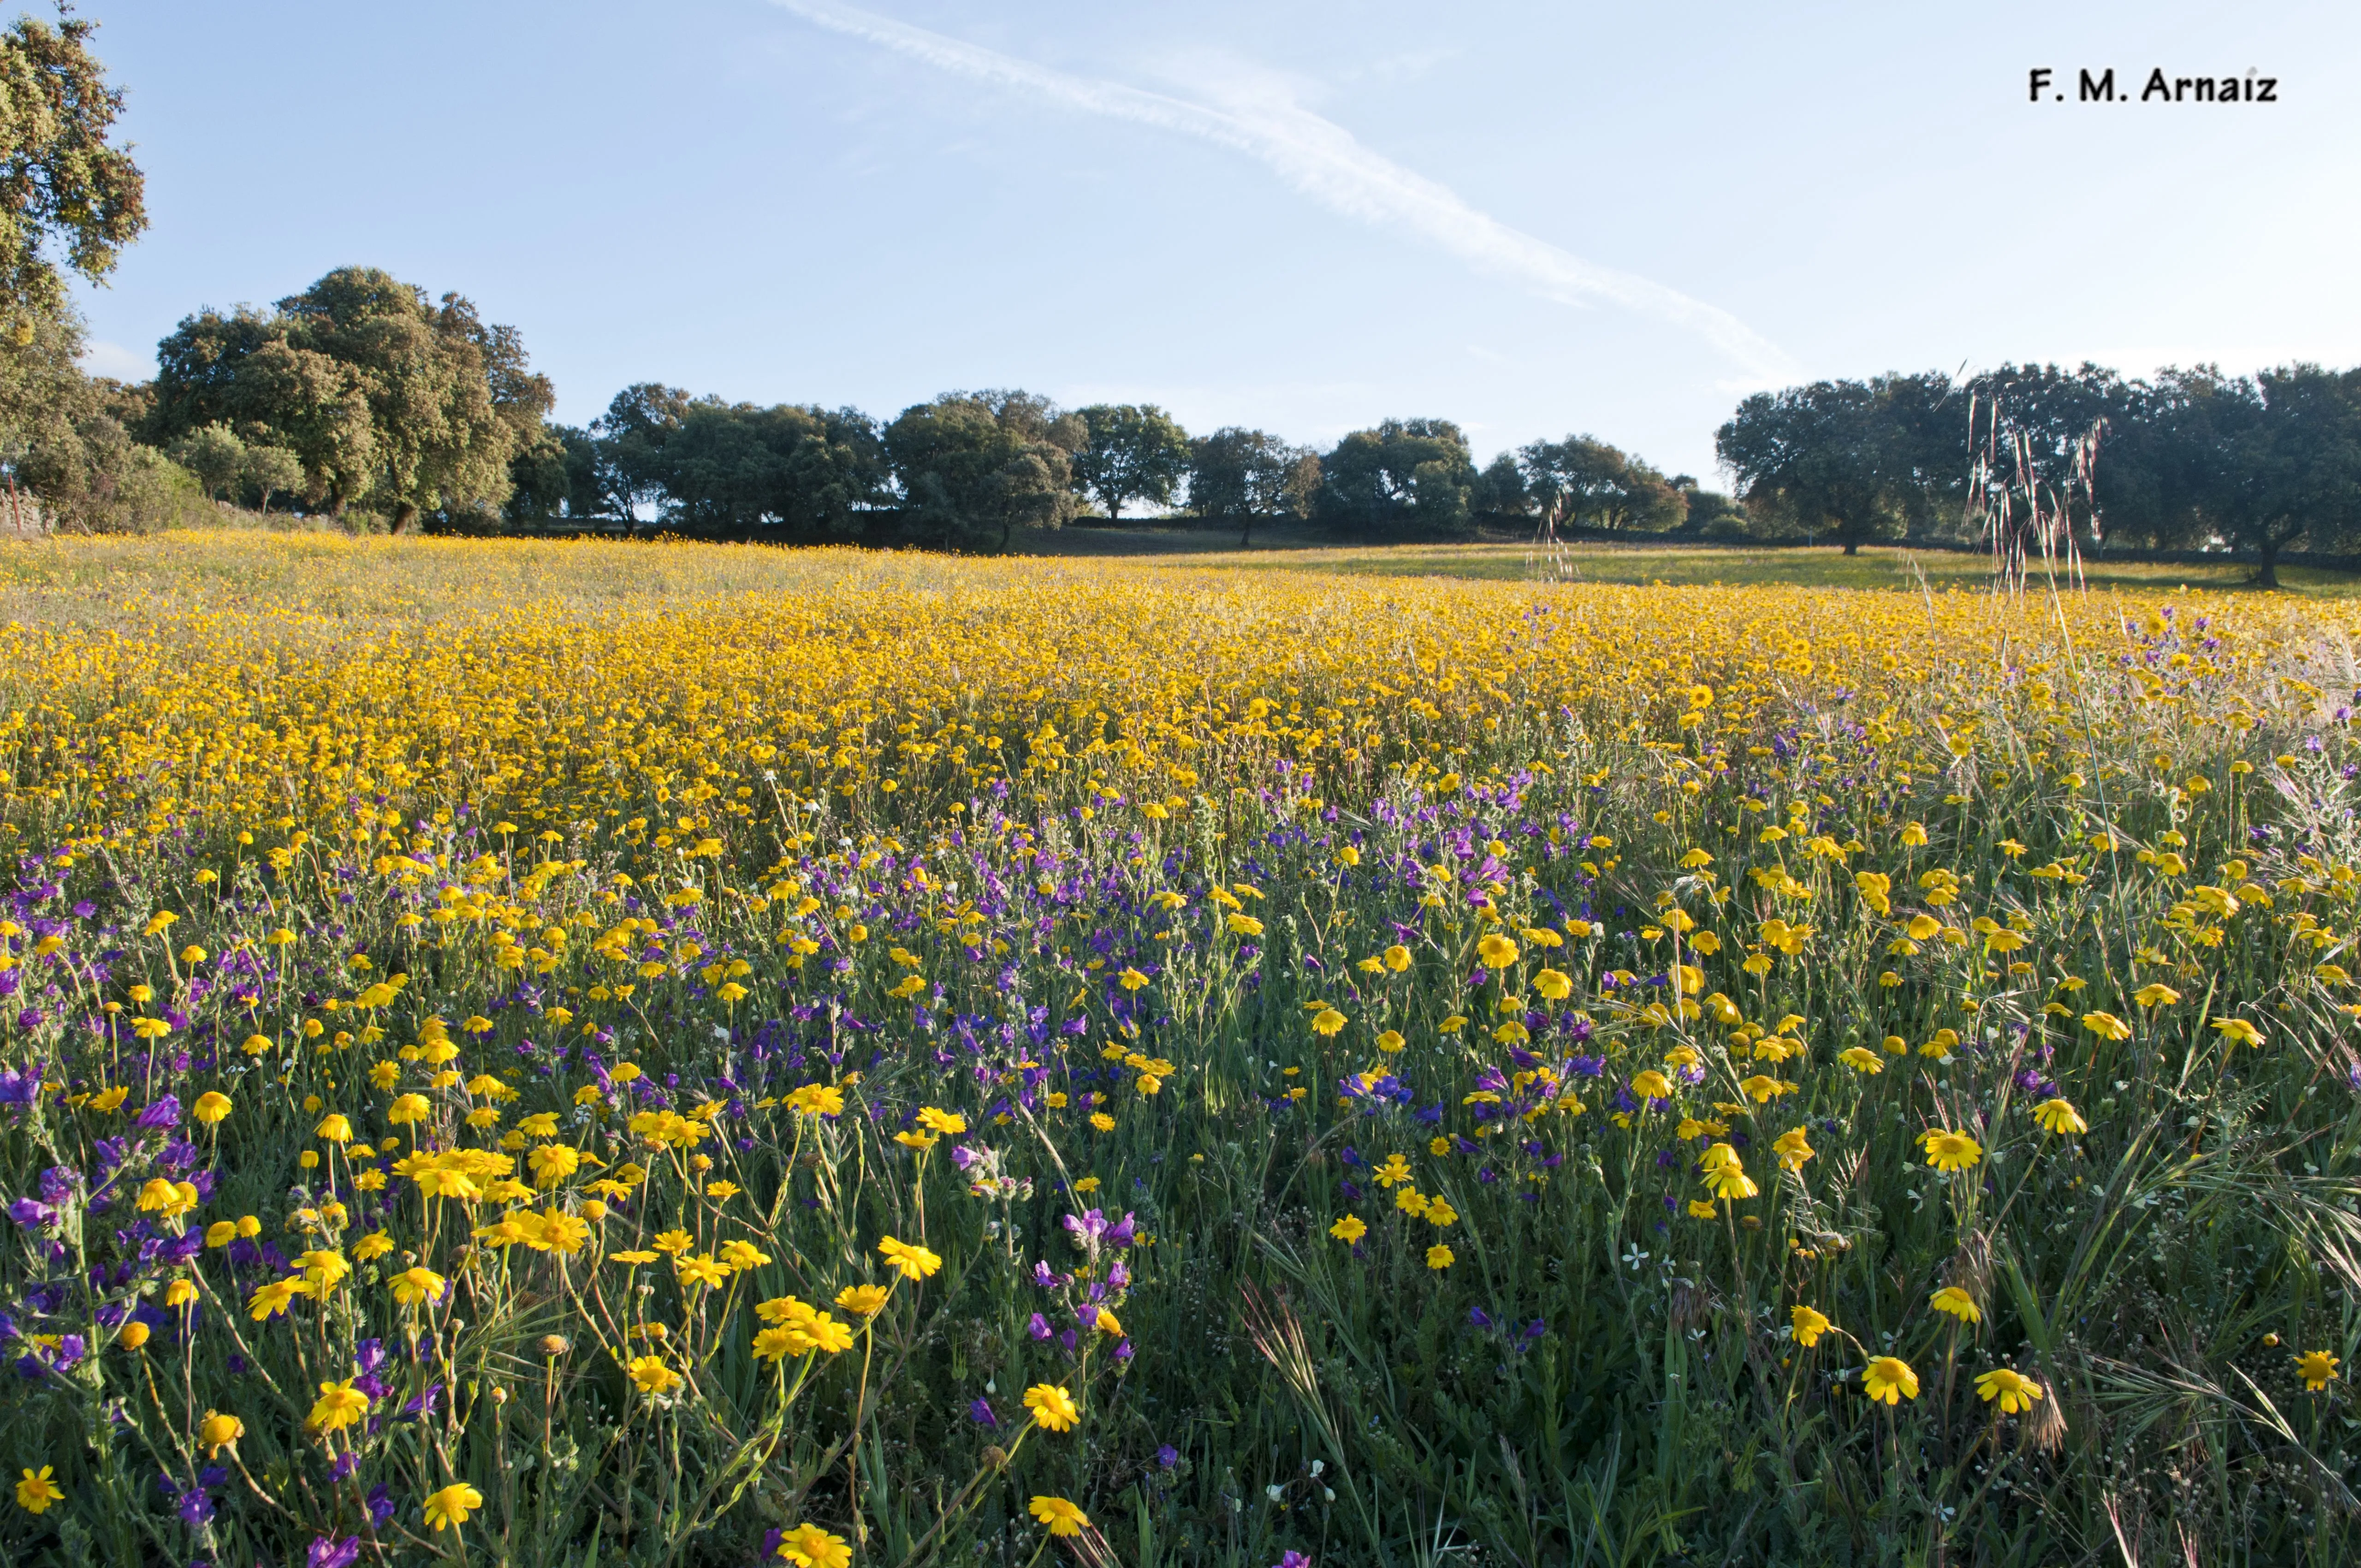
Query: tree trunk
(2267, 574)
(1006, 526)
(1115, 511)
(1852, 547)
(1246, 530)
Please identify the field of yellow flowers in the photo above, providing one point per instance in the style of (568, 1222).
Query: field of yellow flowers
(559, 1054)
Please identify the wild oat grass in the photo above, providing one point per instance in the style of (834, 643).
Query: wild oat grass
(556, 1054)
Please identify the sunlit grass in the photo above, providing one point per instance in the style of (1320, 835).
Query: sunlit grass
(1877, 566)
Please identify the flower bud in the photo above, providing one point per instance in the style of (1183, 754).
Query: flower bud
(218, 1431)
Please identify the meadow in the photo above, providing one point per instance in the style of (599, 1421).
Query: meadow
(567, 1053)
(1645, 561)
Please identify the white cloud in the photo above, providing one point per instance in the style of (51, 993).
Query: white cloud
(1408, 65)
(1257, 115)
(101, 358)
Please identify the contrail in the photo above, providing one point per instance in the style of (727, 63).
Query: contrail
(1323, 160)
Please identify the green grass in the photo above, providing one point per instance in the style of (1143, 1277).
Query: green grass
(1875, 568)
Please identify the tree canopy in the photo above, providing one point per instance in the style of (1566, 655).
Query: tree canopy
(973, 465)
(1130, 453)
(2266, 461)
(700, 465)
(1841, 458)
(1245, 476)
(2193, 458)
(1589, 484)
(1404, 474)
(62, 187)
(68, 203)
(384, 397)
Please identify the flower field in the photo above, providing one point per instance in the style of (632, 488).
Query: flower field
(556, 1054)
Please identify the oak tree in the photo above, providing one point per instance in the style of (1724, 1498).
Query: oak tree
(1131, 453)
(63, 190)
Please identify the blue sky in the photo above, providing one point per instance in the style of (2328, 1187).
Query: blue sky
(1534, 219)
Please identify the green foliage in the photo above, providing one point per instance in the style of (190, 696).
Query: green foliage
(1588, 484)
(269, 471)
(1241, 475)
(214, 454)
(802, 476)
(1833, 458)
(1405, 474)
(67, 448)
(2261, 461)
(810, 473)
(972, 466)
(1501, 490)
(229, 469)
(43, 392)
(1708, 514)
(1132, 452)
(102, 481)
(628, 467)
(60, 181)
(2193, 459)
(387, 400)
(543, 476)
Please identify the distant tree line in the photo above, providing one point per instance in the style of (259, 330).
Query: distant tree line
(365, 400)
(968, 468)
(2191, 460)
